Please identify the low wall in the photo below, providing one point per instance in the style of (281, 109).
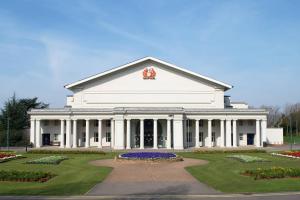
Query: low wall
(275, 136)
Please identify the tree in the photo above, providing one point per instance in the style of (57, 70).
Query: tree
(16, 111)
(274, 116)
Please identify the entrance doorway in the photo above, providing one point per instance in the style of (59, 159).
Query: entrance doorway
(148, 133)
(250, 139)
(46, 139)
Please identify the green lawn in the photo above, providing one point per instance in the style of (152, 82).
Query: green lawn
(223, 174)
(294, 139)
(74, 176)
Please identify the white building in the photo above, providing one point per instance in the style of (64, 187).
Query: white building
(149, 103)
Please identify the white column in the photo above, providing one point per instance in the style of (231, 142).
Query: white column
(128, 134)
(197, 133)
(155, 134)
(87, 133)
(32, 132)
(234, 133)
(228, 133)
(209, 133)
(263, 131)
(62, 133)
(222, 133)
(178, 131)
(257, 133)
(68, 133)
(75, 133)
(169, 134)
(99, 133)
(112, 133)
(38, 134)
(141, 133)
(119, 137)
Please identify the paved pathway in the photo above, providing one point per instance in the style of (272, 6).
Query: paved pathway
(155, 178)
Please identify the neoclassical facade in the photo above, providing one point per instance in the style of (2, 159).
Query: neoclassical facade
(149, 103)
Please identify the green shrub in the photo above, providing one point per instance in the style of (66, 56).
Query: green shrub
(274, 172)
(25, 176)
(46, 151)
(52, 160)
(230, 151)
(247, 159)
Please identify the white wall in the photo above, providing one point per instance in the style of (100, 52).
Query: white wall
(127, 88)
(274, 135)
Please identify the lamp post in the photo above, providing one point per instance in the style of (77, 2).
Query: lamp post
(7, 134)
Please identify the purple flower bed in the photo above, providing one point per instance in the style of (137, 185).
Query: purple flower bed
(148, 155)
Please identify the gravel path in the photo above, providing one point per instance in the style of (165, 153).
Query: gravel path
(155, 178)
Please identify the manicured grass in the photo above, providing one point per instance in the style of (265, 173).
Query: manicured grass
(224, 175)
(74, 176)
(294, 139)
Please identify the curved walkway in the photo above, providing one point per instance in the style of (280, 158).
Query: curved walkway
(150, 178)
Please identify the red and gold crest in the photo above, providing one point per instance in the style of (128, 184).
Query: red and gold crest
(149, 73)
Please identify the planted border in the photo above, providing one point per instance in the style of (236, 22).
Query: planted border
(25, 176)
(247, 158)
(51, 160)
(272, 173)
(200, 151)
(4, 157)
(46, 151)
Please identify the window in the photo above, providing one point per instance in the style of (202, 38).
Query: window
(56, 123)
(95, 123)
(96, 138)
(83, 137)
(107, 136)
(250, 123)
(83, 123)
(241, 123)
(213, 123)
(200, 136)
(201, 123)
(213, 136)
(189, 137)
(46, 122)
(55, 137)
(241, 136)
(189, 123)
(107, 123)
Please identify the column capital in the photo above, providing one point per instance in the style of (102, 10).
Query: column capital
(155, 119)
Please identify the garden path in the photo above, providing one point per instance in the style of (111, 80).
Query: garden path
(150, 178)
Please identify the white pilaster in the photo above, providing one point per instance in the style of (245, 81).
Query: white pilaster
(87, 133)
(68, 133)
(228, 133)
(155, 134)
(32, 132)
(197, 133)
(62, 133)
(112, 134)
(75, 134)
(119, 132)
(128, 134)
(38, 134)
(142, 133)
(209, 133)
(178, 131)
(264, 131)
(222, 133)
(168, 133)
(99, 133)
(234, 133)
(257, 133)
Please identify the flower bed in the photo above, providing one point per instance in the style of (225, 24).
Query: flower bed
(4, 157)
(247, 159)
(213, 151)
(152, 156)
(274, 172)
(25, 176)
(289, 154)
(52, 160)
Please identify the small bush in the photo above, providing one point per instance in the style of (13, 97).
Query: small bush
(247, 159)
(25, 176)
(46, 151)
(230, 151)
(271, 173)
(52, 160)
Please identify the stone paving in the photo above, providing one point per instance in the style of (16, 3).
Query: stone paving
(152, 178)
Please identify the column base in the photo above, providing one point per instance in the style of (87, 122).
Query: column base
(178, 148)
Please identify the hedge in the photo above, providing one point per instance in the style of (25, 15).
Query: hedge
(52, 160)
(25, 176)
(271, 173)
(230, 151)
(47, 151)
(246, 158)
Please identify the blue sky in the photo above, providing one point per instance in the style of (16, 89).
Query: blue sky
(253, 45)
